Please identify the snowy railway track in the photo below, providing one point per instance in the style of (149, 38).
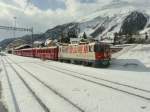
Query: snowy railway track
(45, 108)
(134, 91)
(47, 86)
(17, 109)
(100, 79)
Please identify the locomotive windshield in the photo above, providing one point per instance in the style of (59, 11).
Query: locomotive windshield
(100, 48)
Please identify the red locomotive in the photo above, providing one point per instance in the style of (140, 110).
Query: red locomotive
(95, 54)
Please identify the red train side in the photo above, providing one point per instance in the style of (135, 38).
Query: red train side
(95, 54)
(50, 53)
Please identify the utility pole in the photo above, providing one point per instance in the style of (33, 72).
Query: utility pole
(14, 32)
(32, 37)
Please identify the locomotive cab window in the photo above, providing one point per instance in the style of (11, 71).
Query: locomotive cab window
(98, 48)
(107, 48)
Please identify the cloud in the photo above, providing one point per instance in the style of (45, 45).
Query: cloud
(49, 4)
(87, 1)
(30, 15)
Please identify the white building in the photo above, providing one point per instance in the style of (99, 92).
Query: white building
(75, 40)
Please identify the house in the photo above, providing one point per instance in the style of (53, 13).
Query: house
(50, 42)
(75, 40)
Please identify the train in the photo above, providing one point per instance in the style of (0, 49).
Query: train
(92, 54)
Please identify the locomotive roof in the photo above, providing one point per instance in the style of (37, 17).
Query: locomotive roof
(92, 43)
(47, 47)
(24, 46)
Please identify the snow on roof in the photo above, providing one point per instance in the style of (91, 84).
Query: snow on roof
(48, 41)
(38, 42)
(23, 46)
(107, 41)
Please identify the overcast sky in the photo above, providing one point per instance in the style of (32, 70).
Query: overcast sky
(44, 14)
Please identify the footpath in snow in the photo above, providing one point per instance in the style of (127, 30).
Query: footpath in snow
(2, 107)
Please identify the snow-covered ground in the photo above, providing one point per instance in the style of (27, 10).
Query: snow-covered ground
(62, 87)
(135, 57)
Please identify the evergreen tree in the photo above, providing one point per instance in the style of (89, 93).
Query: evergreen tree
(146, 36)
(115, 38)
(84, 36)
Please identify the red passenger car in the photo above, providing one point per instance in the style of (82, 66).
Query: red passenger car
(30, 52)
(47, 53)
(43, 53)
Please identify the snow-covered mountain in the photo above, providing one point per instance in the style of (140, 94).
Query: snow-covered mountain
(117, 16)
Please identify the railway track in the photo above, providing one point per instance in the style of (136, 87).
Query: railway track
(16, 106)
(137, 91)
(100, 79)
(48, 86)
(45, 108)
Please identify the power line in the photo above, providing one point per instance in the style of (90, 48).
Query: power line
(16, 28)
(19, 29)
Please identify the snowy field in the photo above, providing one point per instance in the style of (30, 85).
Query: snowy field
(33, 85)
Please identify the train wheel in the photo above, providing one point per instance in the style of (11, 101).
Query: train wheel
(72, 61)
(85, 63)
(94, 64)
(90, 63)
(60, 60)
